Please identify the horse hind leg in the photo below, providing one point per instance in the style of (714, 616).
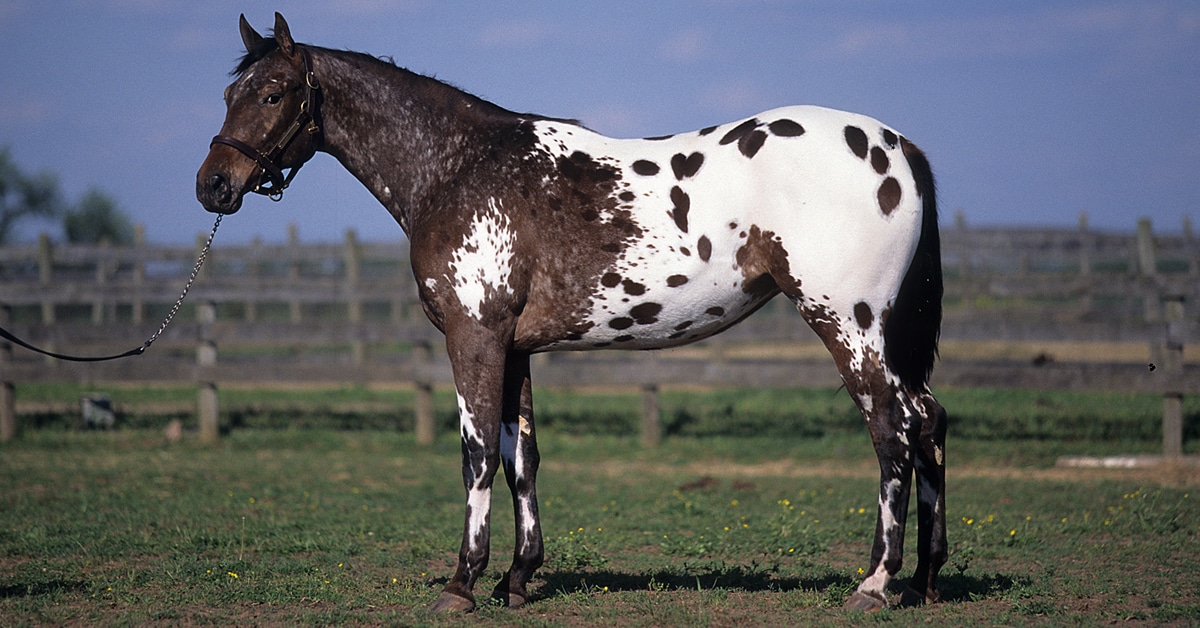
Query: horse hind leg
(893, 427)
(857, 345)
(930, 467)
(519, 454)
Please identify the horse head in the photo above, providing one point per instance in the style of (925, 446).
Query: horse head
(271, 122)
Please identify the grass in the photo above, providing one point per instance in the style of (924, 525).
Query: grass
(317, 526)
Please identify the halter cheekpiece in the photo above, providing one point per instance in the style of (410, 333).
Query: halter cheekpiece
(271, 180)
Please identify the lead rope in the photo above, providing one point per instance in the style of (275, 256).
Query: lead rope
(146, 345)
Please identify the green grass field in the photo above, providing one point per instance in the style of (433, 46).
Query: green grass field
(315, 525)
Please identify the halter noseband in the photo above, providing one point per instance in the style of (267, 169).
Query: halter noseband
(271, 180)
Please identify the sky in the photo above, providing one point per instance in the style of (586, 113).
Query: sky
(1030, 112)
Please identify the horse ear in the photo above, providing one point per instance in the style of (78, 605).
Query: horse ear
(250, 37)
(283, 36)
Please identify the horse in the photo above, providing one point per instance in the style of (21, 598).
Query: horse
(531, 233)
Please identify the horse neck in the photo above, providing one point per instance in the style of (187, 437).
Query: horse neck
(402, 135)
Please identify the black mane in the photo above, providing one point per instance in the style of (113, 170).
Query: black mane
(268, 45)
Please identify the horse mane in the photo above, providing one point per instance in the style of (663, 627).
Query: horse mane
(268, 45)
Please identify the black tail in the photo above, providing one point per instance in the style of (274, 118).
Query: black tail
(912, 329)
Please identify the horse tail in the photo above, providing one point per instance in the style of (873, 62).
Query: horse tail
(912, 328)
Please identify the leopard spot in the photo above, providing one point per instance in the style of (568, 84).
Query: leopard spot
(857, 141)
(645, 167)
(622, 322)
(610, 280)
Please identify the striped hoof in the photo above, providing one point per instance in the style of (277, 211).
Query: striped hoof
(450, 603)
(865, 602)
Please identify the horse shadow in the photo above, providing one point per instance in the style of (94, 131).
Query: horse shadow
(955, 588)
(14, 590)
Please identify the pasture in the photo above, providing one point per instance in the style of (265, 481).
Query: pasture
(320, 525)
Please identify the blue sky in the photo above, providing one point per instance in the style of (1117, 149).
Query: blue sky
(1029, 111)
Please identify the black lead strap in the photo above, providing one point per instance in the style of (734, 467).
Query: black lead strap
(4, 333)
(7, 335)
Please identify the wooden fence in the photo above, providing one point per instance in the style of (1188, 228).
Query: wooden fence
(347, 313)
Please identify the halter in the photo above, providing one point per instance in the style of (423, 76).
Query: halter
(271, 180)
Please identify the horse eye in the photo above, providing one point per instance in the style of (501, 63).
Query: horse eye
(273, 98)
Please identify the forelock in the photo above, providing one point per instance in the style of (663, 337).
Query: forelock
(264, 48)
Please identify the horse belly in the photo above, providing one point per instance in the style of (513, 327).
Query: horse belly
(649, 310)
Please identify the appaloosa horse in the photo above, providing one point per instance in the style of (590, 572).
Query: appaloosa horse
(535, 234)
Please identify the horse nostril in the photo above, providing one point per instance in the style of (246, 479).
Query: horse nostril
(218, 186)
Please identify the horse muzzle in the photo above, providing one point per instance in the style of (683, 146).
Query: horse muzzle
(215, 193)
(224, 179)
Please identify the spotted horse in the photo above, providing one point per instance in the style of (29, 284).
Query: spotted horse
(531, 234)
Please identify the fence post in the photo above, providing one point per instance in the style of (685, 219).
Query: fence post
(250, 305)
(966, 287)
(354, 308)
(138, 306)
(1189, 243)
(206, 360)
(651, 416)
(294, 270)
(425, 427)
(46, 279)
(1172, 359)
(1148, 270)
(102, 252)
(1086, 243)
(8, 400)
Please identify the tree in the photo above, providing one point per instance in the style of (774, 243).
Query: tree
(24, 195)
(97, 218)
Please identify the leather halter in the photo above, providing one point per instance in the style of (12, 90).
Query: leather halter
(271, 180)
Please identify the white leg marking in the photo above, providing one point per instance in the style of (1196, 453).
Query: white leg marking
(466, 420)
(885, 510)
(510, 451)
(479, 501)
(876, 582)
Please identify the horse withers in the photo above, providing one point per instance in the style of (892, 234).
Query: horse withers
(531, 234)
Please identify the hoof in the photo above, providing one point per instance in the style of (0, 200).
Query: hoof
(509, 599)
(450, 603)
(864, 602)
(912, 597)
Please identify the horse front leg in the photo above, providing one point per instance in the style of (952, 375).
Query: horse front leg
(478, 358)
(519, 454)
(930, 468)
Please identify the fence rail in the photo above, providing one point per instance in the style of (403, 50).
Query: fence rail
(336, 313)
